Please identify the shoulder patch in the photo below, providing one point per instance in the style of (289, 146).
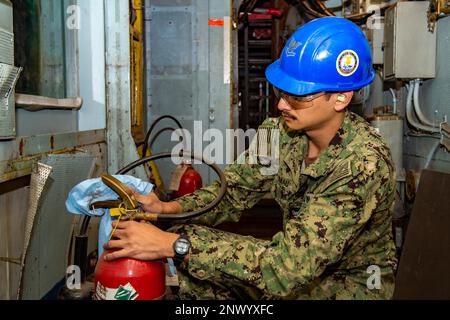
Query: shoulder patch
(264, 149)
(342, 171)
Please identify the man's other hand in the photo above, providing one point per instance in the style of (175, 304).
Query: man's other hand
(140, 241)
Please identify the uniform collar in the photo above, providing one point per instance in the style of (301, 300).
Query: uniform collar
(325, 162)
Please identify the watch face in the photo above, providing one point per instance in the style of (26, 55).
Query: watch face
(182, 246)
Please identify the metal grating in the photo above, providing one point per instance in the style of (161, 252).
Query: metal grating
(6, 47)
(39, 177)
(8, 79)
(46, 255)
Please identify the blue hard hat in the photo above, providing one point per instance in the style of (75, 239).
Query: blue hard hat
(326, 54)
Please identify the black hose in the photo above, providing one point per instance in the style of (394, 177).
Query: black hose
(178, 216)
(149, 132)
(184, 215)
(85, 225)
(87, 219)
(150, 144)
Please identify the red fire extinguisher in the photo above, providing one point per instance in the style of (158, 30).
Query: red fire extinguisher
(189, 182)
(129, 279)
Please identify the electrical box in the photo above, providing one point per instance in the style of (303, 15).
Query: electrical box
(409, 47)
(8, 72)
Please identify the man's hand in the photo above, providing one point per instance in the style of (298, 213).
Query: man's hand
(151, 204)
(140, 241)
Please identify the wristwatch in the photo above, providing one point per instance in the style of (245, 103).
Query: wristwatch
(181, 248)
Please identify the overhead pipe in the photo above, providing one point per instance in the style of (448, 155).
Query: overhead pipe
(409, 112)
(324, 8)
(420, 115)
(307, 7)
(394, 100)
(315, 5)
(409, 115)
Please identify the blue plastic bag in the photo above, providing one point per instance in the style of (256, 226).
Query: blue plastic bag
(93, 190)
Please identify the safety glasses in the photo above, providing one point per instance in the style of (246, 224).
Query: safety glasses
(297, 102)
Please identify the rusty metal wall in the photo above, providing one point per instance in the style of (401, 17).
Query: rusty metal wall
(13, 209)
(16, 156)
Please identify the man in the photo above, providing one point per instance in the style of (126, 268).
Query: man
(335, 184)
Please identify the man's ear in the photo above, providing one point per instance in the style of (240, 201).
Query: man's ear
(343, 99)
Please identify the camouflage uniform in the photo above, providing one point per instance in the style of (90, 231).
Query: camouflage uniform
(337, 223)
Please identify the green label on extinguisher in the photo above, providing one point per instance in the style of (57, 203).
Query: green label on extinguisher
(123, 293)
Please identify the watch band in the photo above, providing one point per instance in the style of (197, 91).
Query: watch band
(178, 259)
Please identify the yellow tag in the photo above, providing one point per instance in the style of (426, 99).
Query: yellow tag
(116, 212)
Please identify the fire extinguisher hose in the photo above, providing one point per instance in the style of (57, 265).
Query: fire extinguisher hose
(178, 216)
(147, 144)
(184, 215)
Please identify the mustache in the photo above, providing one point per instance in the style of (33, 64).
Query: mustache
(288, 115)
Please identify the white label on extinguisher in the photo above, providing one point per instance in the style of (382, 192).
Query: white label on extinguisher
(176, 177)
(126, 292)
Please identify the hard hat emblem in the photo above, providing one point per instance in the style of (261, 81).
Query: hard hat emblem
(347, 63)
(293, 45)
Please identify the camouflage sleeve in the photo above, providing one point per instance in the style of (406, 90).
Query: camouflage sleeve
(317, 238)
(247, 180)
